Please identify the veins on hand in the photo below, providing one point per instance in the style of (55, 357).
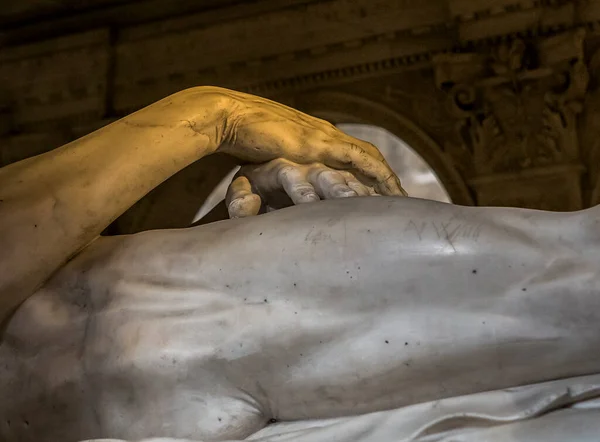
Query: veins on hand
(192, 126)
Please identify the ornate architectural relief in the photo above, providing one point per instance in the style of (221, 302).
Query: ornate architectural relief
(516, 107)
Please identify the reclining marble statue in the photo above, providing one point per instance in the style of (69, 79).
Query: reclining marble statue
(355, 319)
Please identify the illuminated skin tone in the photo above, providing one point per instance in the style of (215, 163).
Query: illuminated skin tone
(375, 319)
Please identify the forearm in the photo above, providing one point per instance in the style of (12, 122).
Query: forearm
(54, 204)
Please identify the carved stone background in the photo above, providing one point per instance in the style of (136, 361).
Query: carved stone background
(500, 97)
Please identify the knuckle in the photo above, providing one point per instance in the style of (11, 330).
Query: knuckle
(280, 162)
(340, 188)
(326, 177)
(315, 168)
(286, 169)
(289, 173)
(329, 126)
(371, 146)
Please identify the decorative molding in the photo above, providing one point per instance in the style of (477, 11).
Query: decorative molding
(468, 10)
(418, 58)
(152, 66)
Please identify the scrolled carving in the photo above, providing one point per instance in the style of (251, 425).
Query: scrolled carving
(461, 100)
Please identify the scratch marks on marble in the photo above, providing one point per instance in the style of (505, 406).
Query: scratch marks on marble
(445, 230)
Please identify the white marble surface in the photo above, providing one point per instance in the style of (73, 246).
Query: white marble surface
(356, 320)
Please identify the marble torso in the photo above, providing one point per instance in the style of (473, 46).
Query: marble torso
(314, 312)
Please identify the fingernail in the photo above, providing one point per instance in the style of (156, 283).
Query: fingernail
(310, 197)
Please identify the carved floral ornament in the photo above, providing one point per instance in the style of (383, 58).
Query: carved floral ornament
(515, 106)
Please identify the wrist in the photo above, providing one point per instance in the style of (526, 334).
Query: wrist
(193, 122)
(205, 113)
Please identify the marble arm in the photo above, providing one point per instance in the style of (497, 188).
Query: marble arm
(53, 205)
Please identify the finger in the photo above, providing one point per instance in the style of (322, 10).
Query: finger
(329, 184)
(241, 200)
(294, 182)
(353, 156)
(372, 192)
(356, 185)
(370, 148)
(263, 177)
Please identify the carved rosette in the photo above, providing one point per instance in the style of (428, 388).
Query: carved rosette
(515, 109)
